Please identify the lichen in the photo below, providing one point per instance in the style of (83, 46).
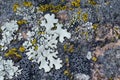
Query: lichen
(85, 17)
(68, 48)
(94, 58)
(43, 46)
(92, 2)
(13, 53)
(27, 4)
(8, 29)
(15, 7)
(75, 3)
(21, 49)
(52, 8)
(21, 22)
(8, 69)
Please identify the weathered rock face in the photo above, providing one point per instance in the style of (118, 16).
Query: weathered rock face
(112, 62)
(60, 39)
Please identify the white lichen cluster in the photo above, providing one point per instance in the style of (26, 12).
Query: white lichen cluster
(81, 76)
(88, 25)
(89, 55)
(8, 69)
(40, 45)
(46, 53)
(8, 35)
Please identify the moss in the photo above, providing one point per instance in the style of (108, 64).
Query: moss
(15, 7)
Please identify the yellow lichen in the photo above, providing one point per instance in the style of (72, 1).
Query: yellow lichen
(65, 47)
(22, 49)
(39, 22)
(68, 48)
(15, 7)
(111, 78)
(13, 49)
(36, 47)
(71, 48)
(92, 2)
(13, 53)
(62, 0)
(34, 41)
(79, 12)
(70, 8)
(51, 8)
(95, 26)
(85, 17)
(85, 34)
(94, 59)
(66, 72)
(1, 46)
(75, 3)
(41, 32)
(54, 11)
(21, 22)
(44, 8)
(27, 4)
(66, 60)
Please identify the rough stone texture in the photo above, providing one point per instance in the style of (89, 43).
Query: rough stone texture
(105, 11)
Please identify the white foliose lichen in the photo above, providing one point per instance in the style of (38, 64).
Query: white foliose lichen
(49, 24)
(8, 30)
(8, 69)
(46, 53)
